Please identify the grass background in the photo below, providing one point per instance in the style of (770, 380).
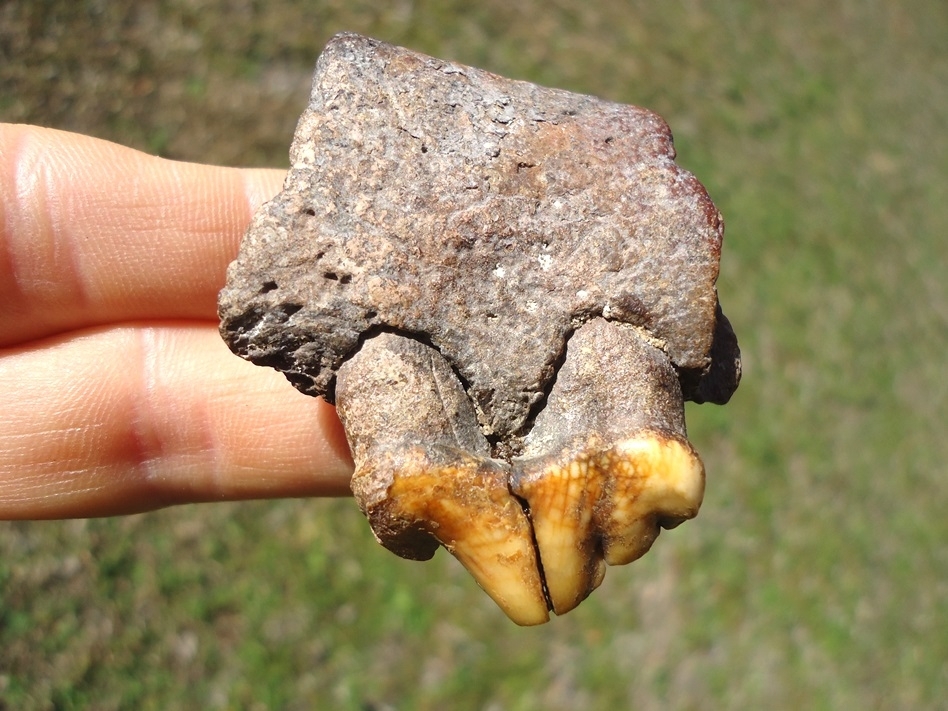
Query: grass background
(816, 576)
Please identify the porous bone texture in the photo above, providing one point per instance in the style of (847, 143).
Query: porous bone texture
(485, 217)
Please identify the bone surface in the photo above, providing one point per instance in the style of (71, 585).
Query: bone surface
(509, 292)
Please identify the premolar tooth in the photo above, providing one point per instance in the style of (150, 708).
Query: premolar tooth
(467, 507)
(604, 505)
(607, 460)
(396, 393)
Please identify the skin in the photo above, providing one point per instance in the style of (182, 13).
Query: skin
(118, 394)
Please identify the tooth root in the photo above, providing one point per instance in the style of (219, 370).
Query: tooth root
(561, 500)
(466, 506)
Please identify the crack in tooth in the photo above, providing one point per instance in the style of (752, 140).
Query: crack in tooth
(536, 546)
(559, 497)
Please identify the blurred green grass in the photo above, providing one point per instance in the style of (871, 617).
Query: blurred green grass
(817, 573)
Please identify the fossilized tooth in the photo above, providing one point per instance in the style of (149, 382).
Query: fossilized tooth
(423, 473)
(608, 462)
(508, 291)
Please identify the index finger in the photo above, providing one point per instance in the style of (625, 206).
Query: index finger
(94, 233)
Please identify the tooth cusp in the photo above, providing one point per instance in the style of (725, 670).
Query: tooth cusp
(657, 481)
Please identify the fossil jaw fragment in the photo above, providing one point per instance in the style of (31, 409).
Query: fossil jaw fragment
(508, 291)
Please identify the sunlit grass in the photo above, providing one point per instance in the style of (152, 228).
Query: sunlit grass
(815, 576)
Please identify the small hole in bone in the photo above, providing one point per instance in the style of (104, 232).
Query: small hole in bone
(268, 286)
(341, 278)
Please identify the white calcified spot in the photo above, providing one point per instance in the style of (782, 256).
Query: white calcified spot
(546, 261)
(557, 204)
(305, 155)
(531, 306)
(499, 272)
(582, 294)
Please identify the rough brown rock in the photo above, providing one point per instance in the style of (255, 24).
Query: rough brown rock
(487, 217)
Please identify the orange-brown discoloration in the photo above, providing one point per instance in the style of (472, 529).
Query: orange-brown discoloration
(467, 507)
(604, 505)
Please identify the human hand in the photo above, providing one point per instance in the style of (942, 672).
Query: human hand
(118, 394)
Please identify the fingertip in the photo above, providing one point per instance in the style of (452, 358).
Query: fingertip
(261, 185)
(92, 232)
(127, 419)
